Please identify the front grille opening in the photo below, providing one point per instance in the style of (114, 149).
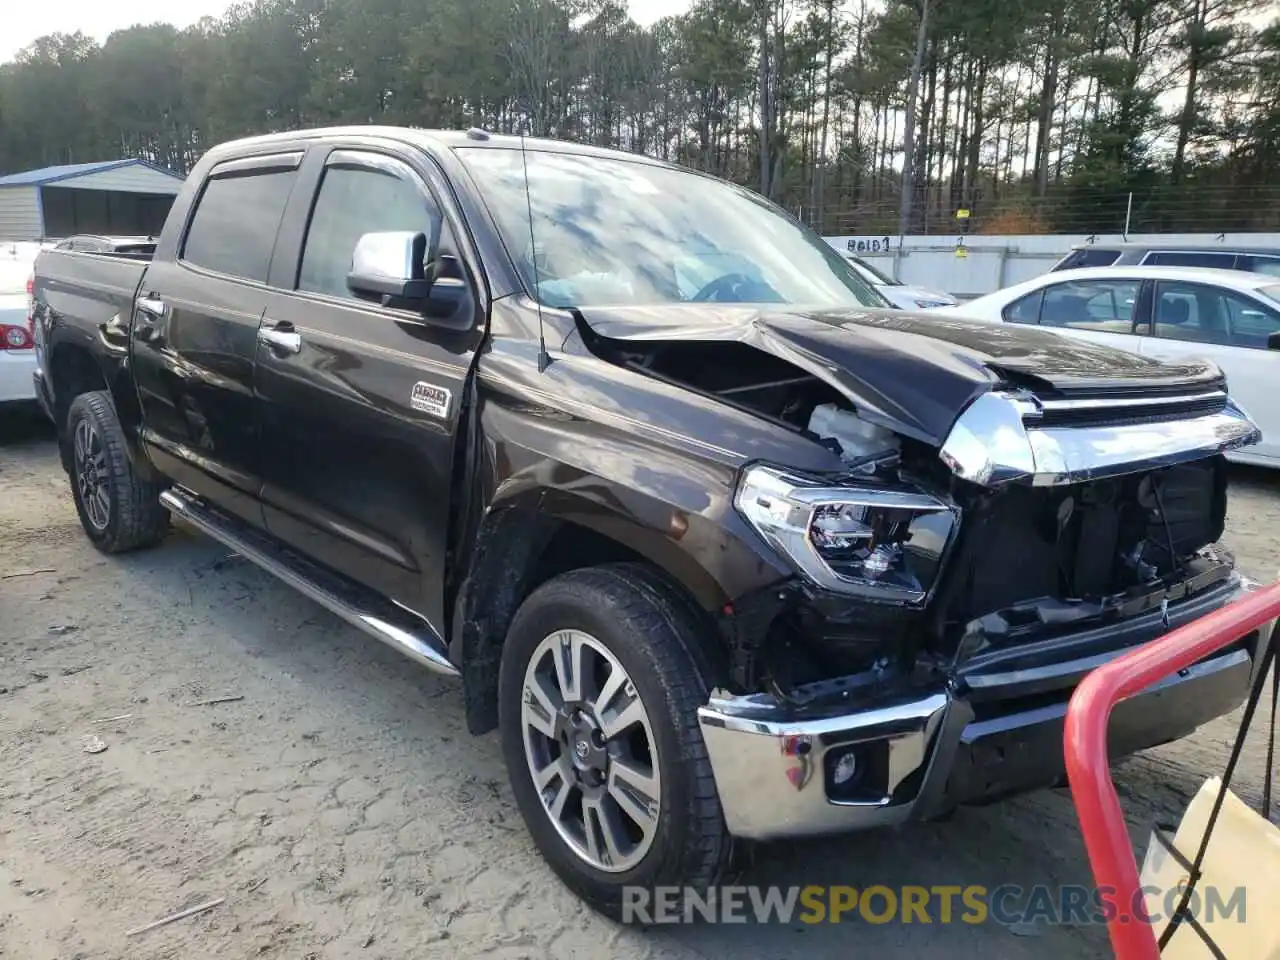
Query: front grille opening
(1084, 541)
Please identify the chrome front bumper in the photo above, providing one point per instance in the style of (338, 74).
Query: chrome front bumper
(922, 754)
(770, 772)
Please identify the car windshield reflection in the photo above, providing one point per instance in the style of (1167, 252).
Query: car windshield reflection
(617, 232)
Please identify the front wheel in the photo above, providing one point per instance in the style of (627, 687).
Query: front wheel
(599, 690)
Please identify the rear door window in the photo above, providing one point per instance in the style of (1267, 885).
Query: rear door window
(1198, 313)
(236, 220)
(1252, 324)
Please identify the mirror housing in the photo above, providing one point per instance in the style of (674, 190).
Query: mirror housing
(1273, 341)
(448, 286)
(390, 266)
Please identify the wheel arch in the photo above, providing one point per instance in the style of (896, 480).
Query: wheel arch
(74, 369)
(525, 539)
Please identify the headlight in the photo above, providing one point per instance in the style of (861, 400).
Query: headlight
(872, 541)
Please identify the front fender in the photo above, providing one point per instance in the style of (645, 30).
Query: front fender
(674, 509)
(540, 471)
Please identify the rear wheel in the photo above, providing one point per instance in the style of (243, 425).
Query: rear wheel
(119, 509)
(599, 694)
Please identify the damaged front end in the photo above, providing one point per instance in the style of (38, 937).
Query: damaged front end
(947, 601)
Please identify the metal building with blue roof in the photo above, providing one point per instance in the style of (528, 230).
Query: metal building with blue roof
(113, 197)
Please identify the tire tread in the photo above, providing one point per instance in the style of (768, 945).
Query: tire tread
(139, 520)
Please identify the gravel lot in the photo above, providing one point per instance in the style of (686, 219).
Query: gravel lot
(340, 807)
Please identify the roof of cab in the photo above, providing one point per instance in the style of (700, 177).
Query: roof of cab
(427, 139)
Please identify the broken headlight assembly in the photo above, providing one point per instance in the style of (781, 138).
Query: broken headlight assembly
(881, 542)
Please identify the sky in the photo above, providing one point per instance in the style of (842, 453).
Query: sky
(25, 20)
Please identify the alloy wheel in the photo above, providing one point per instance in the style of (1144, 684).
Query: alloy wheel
(591, 752)
(92, 475)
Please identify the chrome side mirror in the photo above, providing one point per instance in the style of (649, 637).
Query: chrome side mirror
(390, 266)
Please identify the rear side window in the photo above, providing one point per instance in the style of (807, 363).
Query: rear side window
(1089, 257)
(1192, 258)
(235, 223)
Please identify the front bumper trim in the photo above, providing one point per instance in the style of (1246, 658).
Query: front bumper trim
(935, 749)
(769, 770)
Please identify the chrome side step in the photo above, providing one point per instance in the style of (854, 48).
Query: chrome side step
(361, 608)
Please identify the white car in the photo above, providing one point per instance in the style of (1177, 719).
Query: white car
(1174, 313)
(17, 348)
(901, 295)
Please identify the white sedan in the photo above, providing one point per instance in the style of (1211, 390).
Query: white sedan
(1176, 313)
(17, 350)
(904, 296)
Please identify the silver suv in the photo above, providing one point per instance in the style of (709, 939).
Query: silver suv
(1250, 259)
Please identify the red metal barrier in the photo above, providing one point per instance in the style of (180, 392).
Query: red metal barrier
(1115, 868)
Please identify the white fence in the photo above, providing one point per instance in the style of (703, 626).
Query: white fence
(989, 263)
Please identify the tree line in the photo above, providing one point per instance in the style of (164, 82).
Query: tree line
(861, 116)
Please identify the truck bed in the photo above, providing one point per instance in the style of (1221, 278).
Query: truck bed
(88, 290)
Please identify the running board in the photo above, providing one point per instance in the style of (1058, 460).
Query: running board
(355, 604)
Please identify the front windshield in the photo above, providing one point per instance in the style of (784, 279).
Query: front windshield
(616, 232)
(872, 274)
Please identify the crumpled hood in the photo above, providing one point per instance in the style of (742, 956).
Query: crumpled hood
(911, 372)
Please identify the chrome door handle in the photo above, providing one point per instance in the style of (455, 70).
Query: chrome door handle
(151, 305)
(286, 341)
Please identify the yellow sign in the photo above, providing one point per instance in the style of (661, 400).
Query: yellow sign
(962, 214)
(961, 252)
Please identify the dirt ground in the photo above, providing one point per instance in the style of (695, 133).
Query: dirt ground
(339, 805)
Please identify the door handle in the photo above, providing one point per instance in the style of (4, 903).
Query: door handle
(281, 338)
(153, 306)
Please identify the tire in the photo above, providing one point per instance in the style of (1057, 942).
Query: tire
(644, 625)
(119, 509)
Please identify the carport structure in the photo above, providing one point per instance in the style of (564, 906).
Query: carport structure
(114, 197)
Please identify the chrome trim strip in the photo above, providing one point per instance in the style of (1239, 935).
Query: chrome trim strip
(992, 443)
(761, 485)
(988, 443)
(1067, 455)
(1122, 403)
(860, 496)
(416, 646)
